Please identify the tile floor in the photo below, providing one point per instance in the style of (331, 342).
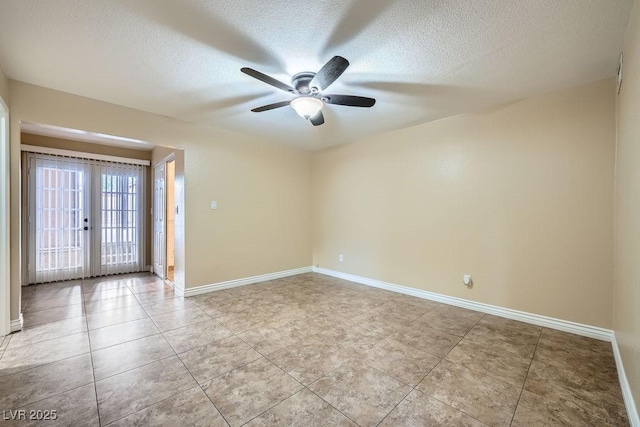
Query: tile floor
(307, 350)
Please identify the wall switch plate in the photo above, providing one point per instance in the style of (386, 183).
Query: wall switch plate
(340, 258)
(214, 204)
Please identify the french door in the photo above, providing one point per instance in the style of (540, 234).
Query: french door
(85, 218)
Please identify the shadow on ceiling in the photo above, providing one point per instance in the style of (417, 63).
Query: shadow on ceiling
(192, 20)
(442, 96)
(359, 15)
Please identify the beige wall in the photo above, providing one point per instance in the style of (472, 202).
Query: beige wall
(262, 224)
(159, 154)
(626, 302)
(4, 86)
(520, 197)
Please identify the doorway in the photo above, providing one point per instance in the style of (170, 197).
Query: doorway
(171, 219)
(5, 322)
(84, 217)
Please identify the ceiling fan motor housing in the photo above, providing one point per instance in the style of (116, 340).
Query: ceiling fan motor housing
(301, 82)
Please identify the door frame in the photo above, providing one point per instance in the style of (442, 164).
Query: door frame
(94, 188)
(161, 163)
(5, 247)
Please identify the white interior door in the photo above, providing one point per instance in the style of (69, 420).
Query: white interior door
(159, 225)
(170, 219)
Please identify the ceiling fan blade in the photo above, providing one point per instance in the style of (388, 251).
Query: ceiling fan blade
(329, 73)
(271, 106)
(267, 79)
(318, 119)
(349, 100)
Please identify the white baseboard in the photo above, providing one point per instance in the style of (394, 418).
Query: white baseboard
(178, 288)
(245, 281)
(632, 412)
(535, 319)
(16, 324)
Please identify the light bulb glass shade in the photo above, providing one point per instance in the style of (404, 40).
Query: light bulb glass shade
(306, 106)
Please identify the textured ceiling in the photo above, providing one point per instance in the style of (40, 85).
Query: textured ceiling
(421, 59)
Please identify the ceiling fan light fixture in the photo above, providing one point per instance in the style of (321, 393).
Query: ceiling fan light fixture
(307, 106)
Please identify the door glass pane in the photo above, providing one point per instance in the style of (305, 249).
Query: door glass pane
(59, 213)
(120, 232)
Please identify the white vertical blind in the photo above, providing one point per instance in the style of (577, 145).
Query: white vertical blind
(85, 218)
(121, 226)
(57, 208)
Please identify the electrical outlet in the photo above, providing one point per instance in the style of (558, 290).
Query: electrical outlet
(340, 257)
(466, 279)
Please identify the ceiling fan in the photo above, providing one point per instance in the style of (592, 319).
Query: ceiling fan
(308, 87)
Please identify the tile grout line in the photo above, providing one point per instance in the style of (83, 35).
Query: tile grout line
(185, 367)
(147, 364)
(183, 364)
(4, 349)
(515, 409)
(507, 351)
(55, 395)
(443, 358)
(276, 365)
(323, 399)
(56, 361)
(410, 391)
(51, 362)
(89, 352)
(268, 409)
(145, 407)
(127, 341)
(44, 341)
(93, 371)
(83, 302)
(438, 364)
(46, 364)
(303, 387)
(26, 303)
(46, 323)
(325, 374)
(95, 381)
